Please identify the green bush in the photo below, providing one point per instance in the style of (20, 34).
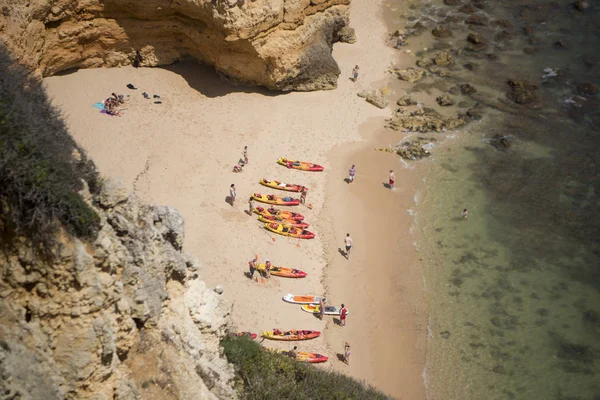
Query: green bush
(39, 177)
(264, 375)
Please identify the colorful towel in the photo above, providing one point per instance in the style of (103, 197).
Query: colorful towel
(99, 105)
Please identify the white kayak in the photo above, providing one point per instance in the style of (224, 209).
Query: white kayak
(295, 299)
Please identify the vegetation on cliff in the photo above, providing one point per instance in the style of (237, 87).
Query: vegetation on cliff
(41, 167)
(265, 375)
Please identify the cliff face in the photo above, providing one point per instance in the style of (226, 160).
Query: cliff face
(280, 44)
(123, 317)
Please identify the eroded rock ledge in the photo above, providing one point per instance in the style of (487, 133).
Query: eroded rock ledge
(124, 317)
(279, 44)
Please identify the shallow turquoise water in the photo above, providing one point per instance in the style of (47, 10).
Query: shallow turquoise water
(514, 289)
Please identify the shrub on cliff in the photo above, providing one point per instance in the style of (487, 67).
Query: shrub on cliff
(39, 177)
(265, 375)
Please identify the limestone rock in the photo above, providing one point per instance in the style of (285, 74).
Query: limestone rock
(414, 150)
(377, 101)
(443, 59)
(282, 45)
(476, 38)
(410, 74)
(346, 35)
(109, 307)
(445, 100)
(113, 192)
(406, 101)
(365, 93)
(521, 91)
(452, 2)
(423, 120)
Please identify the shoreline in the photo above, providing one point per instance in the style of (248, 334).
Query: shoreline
(382, 280)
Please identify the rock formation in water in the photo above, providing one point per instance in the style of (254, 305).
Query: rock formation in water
(122, 317)
(280, 44)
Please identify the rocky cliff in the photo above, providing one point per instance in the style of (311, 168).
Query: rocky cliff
(280, 44)
(123, 317)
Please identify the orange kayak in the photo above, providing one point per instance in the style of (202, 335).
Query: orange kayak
(303, 356)
(274, 199)
(282, 271)
(301, 165)
(291, 335)
(290, 187)
(278, 213)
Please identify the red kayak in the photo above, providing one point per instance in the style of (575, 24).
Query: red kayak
(247, 334)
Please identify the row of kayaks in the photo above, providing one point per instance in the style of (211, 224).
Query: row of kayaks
(290, 224)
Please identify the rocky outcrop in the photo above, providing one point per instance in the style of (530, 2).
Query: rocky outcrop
(521, 91)
(280, 44)
(410, 74)
(426, 120)
(414, 150)
(123, 317)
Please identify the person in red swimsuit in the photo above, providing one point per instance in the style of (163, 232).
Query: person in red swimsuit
(343, 313)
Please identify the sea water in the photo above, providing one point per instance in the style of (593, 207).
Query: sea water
(513, 290)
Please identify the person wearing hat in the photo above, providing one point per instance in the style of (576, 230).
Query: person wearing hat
(267, 268)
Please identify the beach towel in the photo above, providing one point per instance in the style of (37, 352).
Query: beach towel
(99, 105)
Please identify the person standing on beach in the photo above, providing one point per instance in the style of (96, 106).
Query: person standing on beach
(355, 73)
(348, 242)
(232, 193)
(252, 266)
(343, 313)
(347, 353)
(293, 353)
(392, 178)
(267, 268)
(464, 213)
(399, 42)
(351, 173)
(250, 206)
(303, 194)
(245, 154)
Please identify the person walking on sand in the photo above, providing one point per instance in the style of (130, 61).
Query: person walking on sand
(351, 173)
(347, 353)
(392, 178)
(267, 268)
(348, 242)
(321, 308)
(250, 206)
(232, 193)
(245, 154)
(343, 313)
(252, 266)
(355, 73)
(303, 194)
(464, 213)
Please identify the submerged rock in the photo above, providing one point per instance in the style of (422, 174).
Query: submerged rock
(410, 74)
(581, 5)
(590, 60)
(500, 142)
(467, 88)
(445, 100)
(452, 2)
(441, 32)
(587, 89)
(476, 19)
(476, 38)
(521, 91)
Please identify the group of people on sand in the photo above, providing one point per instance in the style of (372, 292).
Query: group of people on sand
(242, 162)
(112, 103)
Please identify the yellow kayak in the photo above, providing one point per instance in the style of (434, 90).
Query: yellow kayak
(274, 199)
(282, 271)
(291, 335)
(289, 231)
(286, 222)
(290, 187)
(301, 165)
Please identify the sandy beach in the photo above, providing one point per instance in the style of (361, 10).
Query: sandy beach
(181, 153)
